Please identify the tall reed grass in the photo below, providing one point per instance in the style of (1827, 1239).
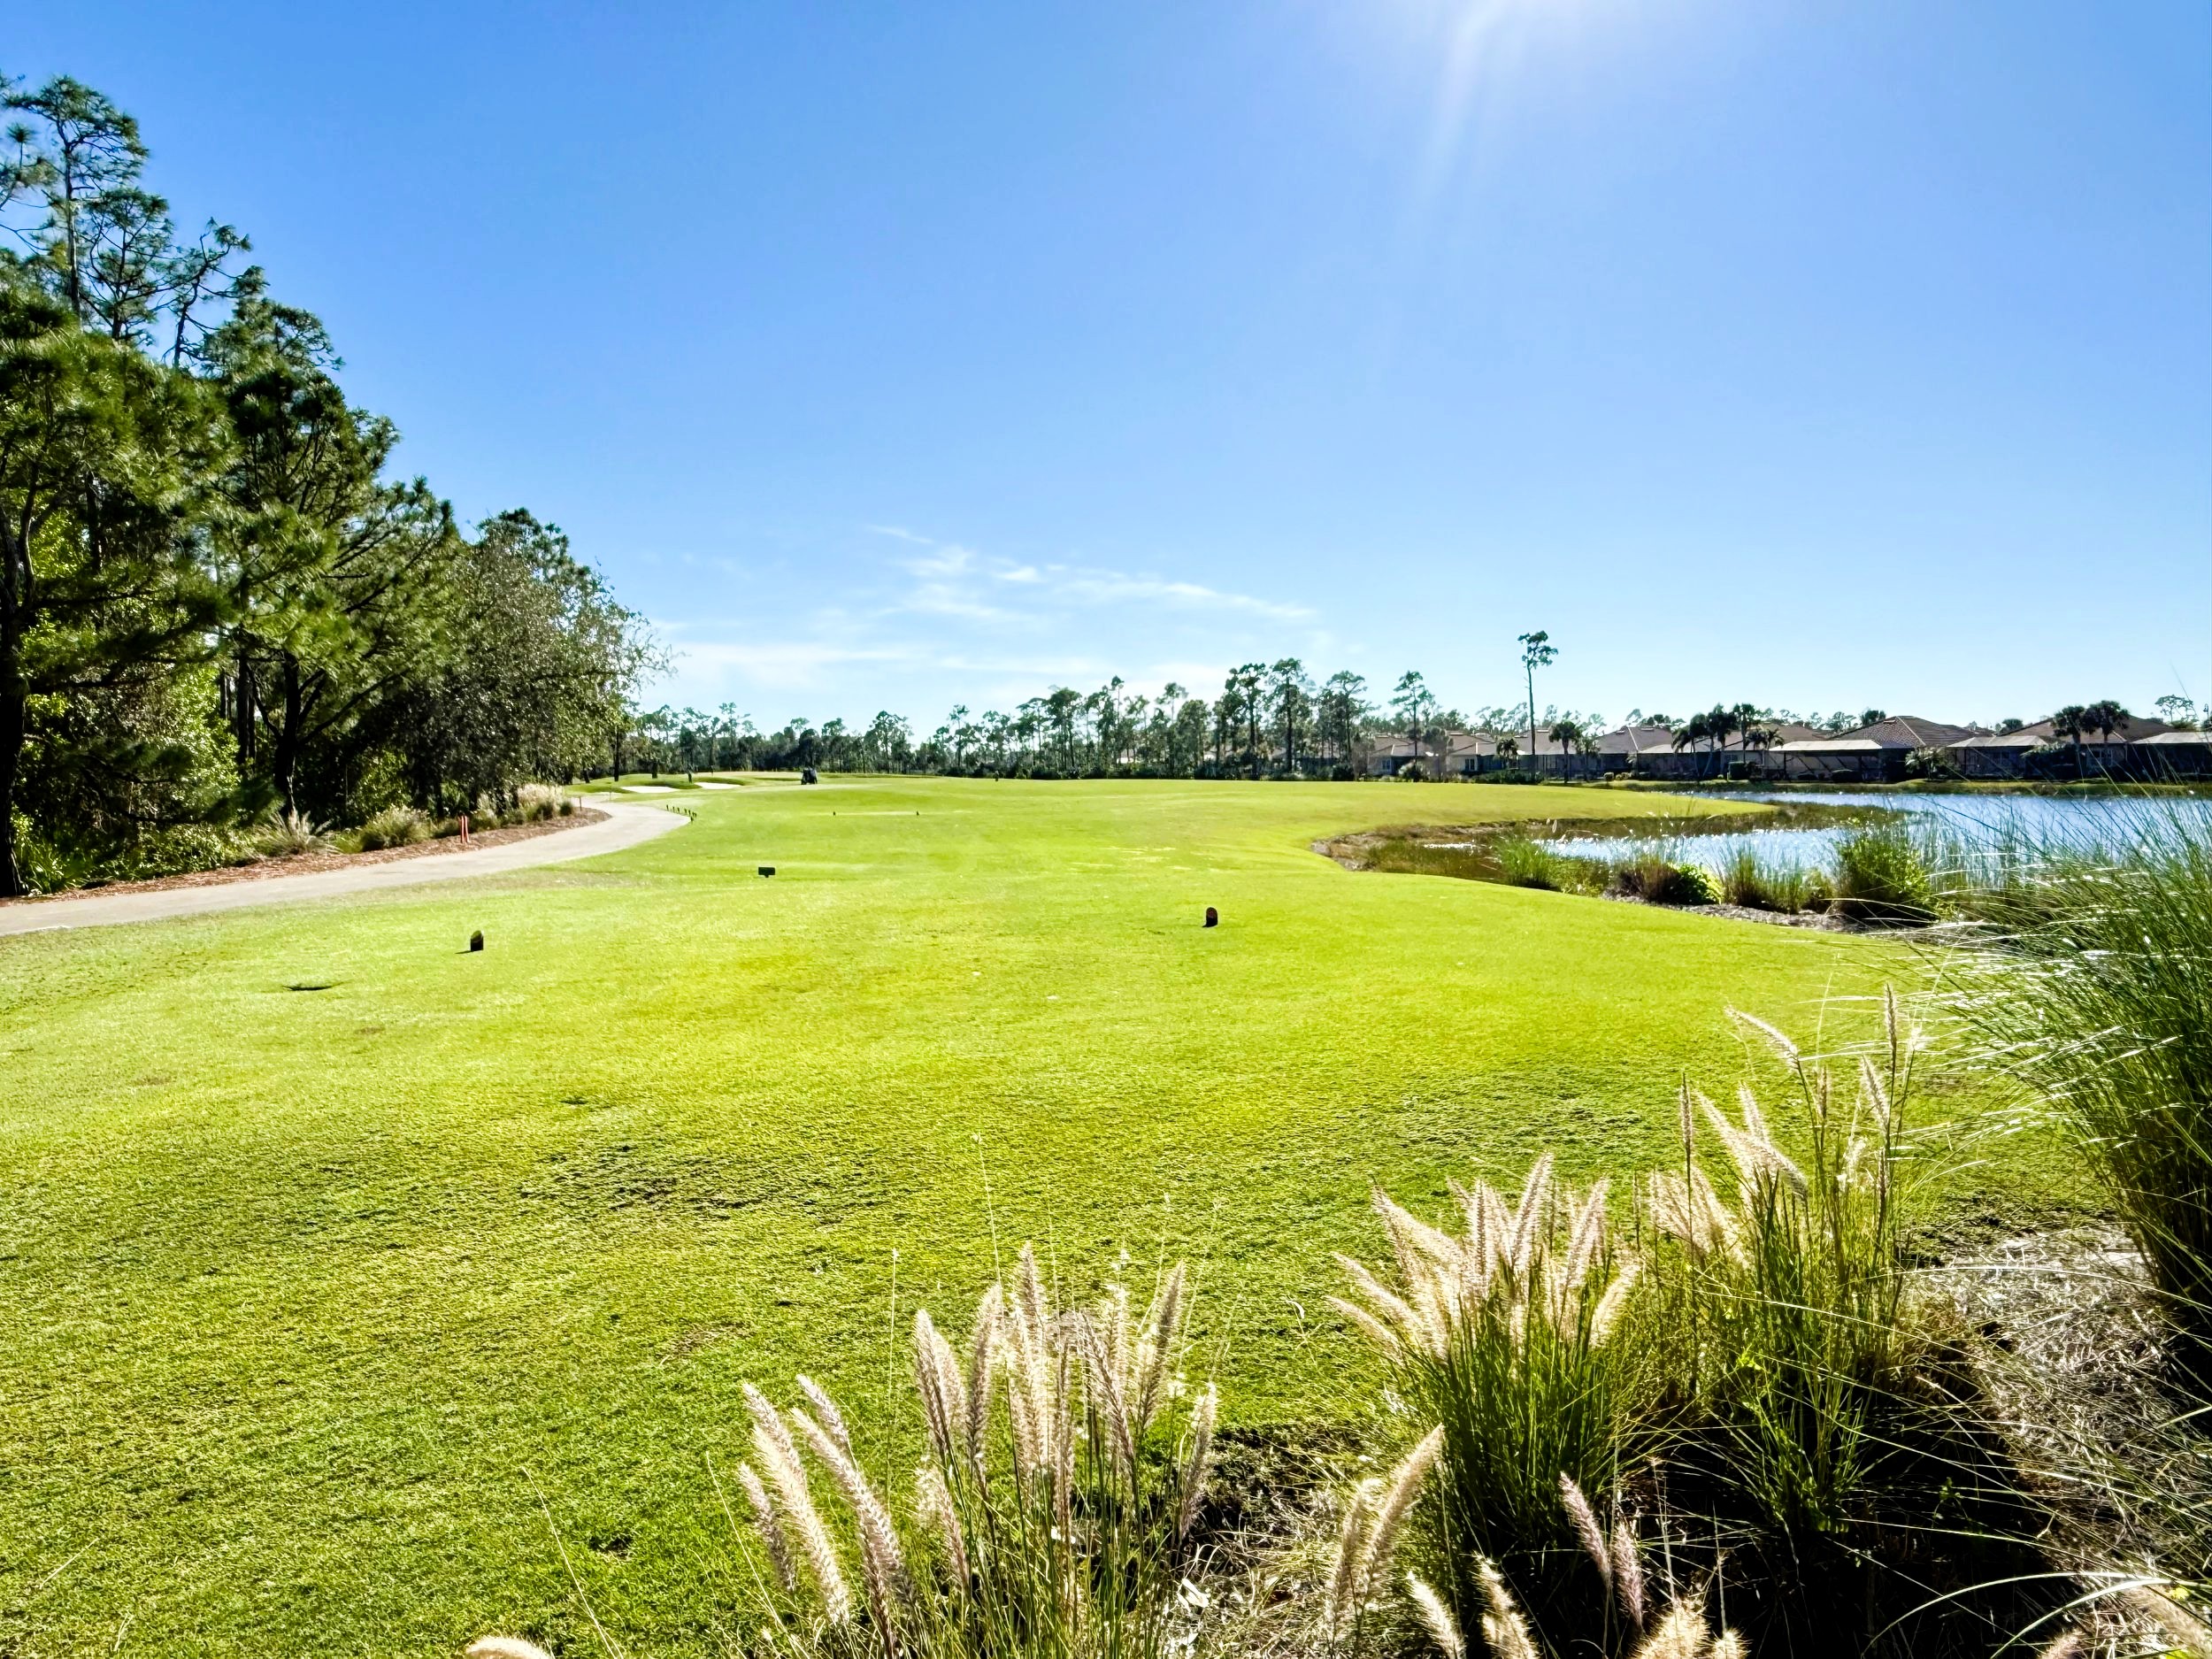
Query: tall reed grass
(2099, 994)
(1765, 884)
(1787, 1297)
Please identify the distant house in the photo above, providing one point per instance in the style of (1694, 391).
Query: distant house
(2038, 750)
(1462, 756)
(1872, 754)
(1649, 751)
(2171, 754)
(1997, 754)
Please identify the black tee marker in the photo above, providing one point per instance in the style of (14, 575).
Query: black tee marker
(1213, 917)
(476, 939)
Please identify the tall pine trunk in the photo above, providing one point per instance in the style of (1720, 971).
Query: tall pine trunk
(15, 582)
(284, 759)
(12, 703)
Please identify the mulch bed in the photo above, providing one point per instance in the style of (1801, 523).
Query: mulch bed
(308, 864)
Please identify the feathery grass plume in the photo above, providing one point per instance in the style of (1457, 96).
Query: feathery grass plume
(1681, 1634)
(1727, 1645)
(1155, 1346)
(1442, 1628)
(937, 1380)
(825, 1413)
(1503, 1338)
(1534, 1211)
(780, 1456)
(882, 1561)
(1587, 1528)
(504, 1647)
(770, 1526)
(1341, 1605)
(1627, 1574)
(1776, 1040)
(1105, 1383)
(1391, 1509)
(1202, 1445)
(983, 1348)
(1503, 1629)
(934, 1507)
(2065, 1647)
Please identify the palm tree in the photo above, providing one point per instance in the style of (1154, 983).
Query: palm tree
(2105, 717)
(1536, 652)
(1760, 735)
(2070, 722)
(1569, 734)
(1693, 731)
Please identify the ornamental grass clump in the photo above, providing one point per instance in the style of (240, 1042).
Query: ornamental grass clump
(288, 835)
(1883, 875)
(535, 802)
(1503, 1337)
(394, 826)
(1785, 1297)
(1760, 884)
(1053, 1517)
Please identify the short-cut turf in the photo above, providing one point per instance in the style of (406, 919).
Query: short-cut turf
(300, 1281)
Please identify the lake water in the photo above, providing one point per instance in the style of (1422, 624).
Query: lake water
(2075, 824)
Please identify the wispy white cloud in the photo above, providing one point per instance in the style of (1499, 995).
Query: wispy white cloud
(952, 580)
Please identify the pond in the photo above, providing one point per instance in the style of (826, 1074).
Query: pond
(2075, 824)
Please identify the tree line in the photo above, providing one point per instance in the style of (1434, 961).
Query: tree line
(218, 602)
(1271, 721)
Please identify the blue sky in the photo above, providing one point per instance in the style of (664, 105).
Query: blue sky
(1817, 355)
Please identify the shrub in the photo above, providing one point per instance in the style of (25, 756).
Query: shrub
(1659, 880)
(286, 835)
(1413, 772)
(1501, 1338)
(394, 826)
(536, 800)
(1881, 875)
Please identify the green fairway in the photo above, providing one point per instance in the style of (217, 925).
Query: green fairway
(301, 1280)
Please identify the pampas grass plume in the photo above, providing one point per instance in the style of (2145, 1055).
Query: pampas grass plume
(1437, 1618)
(1503, 1626)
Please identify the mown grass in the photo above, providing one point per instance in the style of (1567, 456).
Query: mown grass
(300, 1285)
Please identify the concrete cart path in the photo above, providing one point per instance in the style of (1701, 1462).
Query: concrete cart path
(625, 826)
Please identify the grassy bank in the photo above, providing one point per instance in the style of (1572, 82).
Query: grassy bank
(321, 1229)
